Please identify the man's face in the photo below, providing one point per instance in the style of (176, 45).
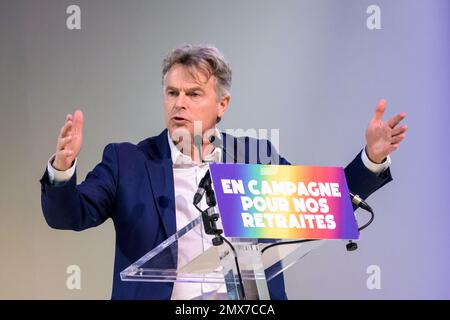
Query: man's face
(190, 97)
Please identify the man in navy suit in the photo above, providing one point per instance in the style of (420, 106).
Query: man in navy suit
(147, 189)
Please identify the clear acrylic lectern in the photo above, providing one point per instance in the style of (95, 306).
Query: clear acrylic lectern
(216, 264)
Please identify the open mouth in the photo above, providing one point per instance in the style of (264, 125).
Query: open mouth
(178, 118)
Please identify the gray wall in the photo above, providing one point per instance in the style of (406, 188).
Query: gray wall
(310, 68)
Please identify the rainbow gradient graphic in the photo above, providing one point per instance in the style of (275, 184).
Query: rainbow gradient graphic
(272, 220)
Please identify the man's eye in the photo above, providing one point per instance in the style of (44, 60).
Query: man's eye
(171, 93)
(194, 94)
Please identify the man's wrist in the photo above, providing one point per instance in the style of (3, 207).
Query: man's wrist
(373, 159)
(57, 176)
(376, 168)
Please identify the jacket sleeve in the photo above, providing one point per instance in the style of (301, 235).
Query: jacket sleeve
(362, 181)
(77, 207)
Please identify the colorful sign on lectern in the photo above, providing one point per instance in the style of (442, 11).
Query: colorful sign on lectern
(286, 202)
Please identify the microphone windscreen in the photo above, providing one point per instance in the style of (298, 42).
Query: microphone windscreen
(198, 140)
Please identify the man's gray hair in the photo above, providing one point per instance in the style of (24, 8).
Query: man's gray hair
(204, 58)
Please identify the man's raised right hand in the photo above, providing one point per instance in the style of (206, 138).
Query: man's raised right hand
(69, 141)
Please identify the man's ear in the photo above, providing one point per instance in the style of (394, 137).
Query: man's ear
(222, 106)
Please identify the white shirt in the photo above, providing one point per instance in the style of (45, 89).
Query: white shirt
(187, 175)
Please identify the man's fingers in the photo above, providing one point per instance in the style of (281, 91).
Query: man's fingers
(399, 130)
(62, 142)
(78, 121)
(67, 153)
(65, 128)
(380, 109)
(395, 120)
(397, 139)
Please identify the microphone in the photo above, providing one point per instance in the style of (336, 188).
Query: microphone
(198, 142)
(359, 202)
(210, 217)
(217, 143)
(205, 184)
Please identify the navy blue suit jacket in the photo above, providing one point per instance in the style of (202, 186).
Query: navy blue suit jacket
(133, 185)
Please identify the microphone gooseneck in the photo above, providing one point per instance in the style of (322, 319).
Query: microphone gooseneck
(361, 203)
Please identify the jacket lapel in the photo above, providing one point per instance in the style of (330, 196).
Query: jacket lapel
(160, 172)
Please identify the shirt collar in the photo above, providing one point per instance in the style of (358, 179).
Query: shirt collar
(178, 158)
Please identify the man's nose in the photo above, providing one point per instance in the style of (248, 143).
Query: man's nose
(180, 101)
